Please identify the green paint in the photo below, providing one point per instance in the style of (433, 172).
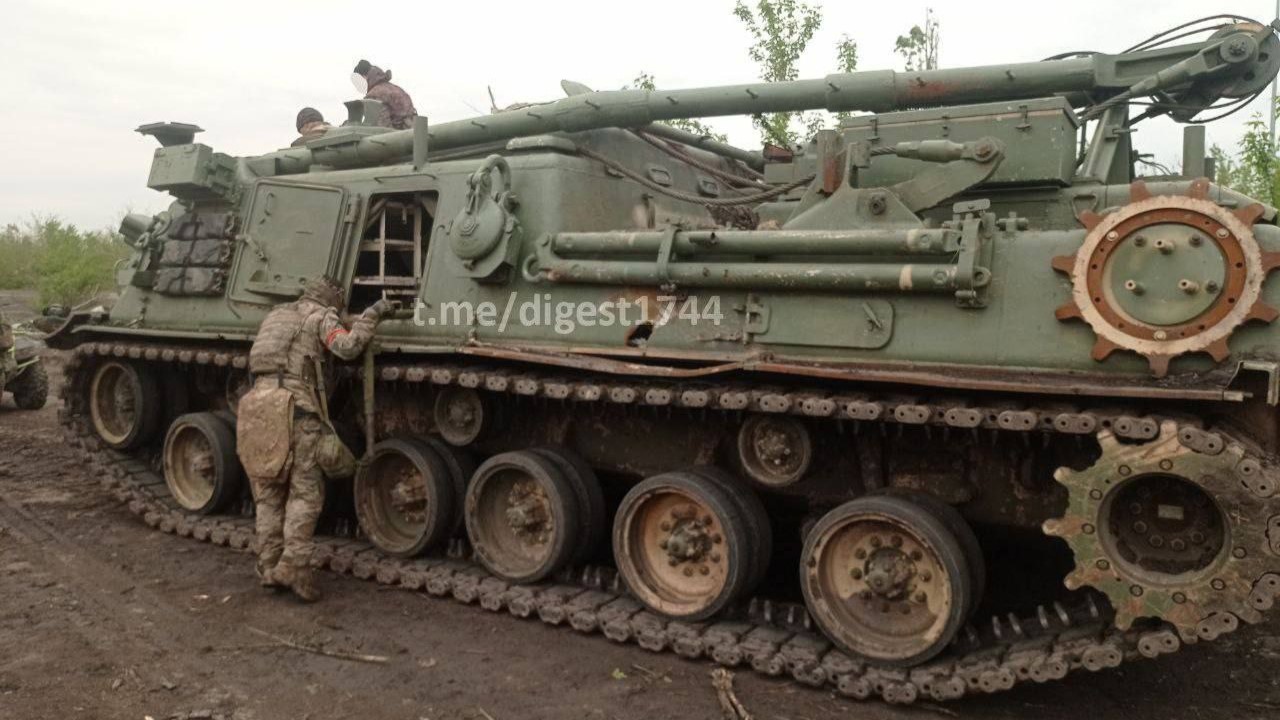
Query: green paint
(1166, 275)
(873, 263)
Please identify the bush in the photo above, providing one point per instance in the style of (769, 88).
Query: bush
(66, 265)
(17, 259)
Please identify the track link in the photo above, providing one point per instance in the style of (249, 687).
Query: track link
(774, 639)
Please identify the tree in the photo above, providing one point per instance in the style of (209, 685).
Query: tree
(65, 264)
(780, 32)
(645, 81)
(846, 61)
(919, 47)
(1255, 168)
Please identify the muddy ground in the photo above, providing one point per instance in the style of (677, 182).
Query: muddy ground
(102, 617)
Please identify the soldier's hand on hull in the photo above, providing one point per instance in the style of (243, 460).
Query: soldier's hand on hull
(380, 309)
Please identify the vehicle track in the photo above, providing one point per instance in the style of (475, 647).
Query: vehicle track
(772, 638)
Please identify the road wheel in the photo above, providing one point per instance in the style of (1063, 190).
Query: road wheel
(124, 405)
(404, 497)
(759, 529)
(522, 516)
(586, 489)
(31, 388)
(200, 464)
(681, 545)
(462, 466)
(886, 579)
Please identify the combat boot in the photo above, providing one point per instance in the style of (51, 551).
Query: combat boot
(266, 577)
(303, 584)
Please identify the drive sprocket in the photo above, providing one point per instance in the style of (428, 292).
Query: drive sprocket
(1184, 528)
(1167, 275)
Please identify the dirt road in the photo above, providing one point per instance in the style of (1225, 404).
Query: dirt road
(102, 617)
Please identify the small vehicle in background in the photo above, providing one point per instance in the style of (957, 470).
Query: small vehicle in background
(21, 371)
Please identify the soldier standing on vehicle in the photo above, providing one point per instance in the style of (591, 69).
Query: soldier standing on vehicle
(397, 107)
(284, 435)
(310, 125)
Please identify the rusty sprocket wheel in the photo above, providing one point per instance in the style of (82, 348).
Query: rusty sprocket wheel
(1175, 529)
(1167, 275)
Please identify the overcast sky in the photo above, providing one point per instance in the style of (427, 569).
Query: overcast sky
(79, 76)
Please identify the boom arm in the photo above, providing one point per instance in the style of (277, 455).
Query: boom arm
(1235, 64)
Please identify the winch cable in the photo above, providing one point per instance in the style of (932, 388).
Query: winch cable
(727, 177)
(688, 197)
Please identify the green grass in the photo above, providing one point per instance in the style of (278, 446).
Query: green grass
(63, 263)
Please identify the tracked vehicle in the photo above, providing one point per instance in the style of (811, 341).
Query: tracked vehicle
(22, 373)
(946, 400)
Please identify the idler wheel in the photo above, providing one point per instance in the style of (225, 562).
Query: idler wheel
(405, 497)
(887, 579)
(124, 405)
(522, 516)
(682, 545)
(460, 415)
(775, 451)
(201, 469)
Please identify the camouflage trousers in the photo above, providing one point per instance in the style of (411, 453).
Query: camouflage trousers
(287, 510)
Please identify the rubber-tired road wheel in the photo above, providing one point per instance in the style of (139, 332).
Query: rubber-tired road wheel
(404, 497)
(124, 405)
(887, 579)
(586, 489)
(759, 530)
(522, 516)
(681, 544)
(31, 388)
(462, 466)
(200, 464)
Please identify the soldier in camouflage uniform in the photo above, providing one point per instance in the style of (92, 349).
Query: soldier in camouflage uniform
(6, 334)
(397, 108)
(288, 353)
(310, 125)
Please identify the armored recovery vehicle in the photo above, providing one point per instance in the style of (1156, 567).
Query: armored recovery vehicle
(947, 400)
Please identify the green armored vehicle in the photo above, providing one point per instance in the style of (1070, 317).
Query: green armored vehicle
(947, 400)
(21, 372)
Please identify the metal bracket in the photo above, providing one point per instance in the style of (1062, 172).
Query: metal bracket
(664, 257)
(755, 317)
(966, 165)
(975, 223)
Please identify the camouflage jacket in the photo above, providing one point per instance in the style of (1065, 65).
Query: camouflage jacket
(311, 131)
(397, 108)
(293, 336)
(6, 335)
